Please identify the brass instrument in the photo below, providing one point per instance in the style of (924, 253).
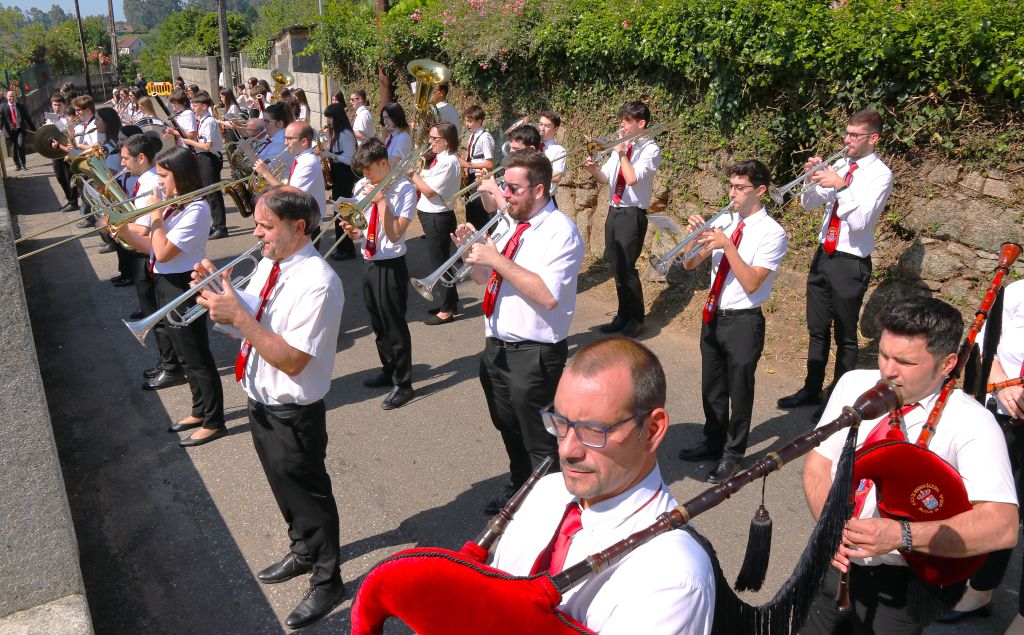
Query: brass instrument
(42, 138)
(282, 79)
(428, 74)
(598, 149)
(172, 310)
(663, 263)
(776, 193)
(321, 146)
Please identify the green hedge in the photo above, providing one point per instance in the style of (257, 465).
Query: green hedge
(771, 76)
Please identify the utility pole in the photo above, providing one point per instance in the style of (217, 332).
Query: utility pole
(225, 52)
(387, 89)
(113, 38)
(81, 41)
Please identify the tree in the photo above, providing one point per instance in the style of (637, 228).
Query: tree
(191, 31)
(37, 16)
(57, 15)
(149, 13)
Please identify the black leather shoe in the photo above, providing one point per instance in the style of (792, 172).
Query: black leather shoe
(150, 373)
(68, 207)
(436, 321)
(181, 427)
(725, 469)
(633, 328)
(397, 398)
(616, 325)
(137, 315)
(124, 282)
(319, 601)
(377, 381)
(506, 492)
(192, 442)
(106, 248)
(954, 615)
(85, 224)
(434, 311)
(701, 452)
(165, 380)
(217, 234)
(802, 397)
(289, 567)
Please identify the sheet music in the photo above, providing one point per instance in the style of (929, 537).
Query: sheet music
(251, 303)
(664, 223)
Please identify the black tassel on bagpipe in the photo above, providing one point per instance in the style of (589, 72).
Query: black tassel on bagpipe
(759, 549)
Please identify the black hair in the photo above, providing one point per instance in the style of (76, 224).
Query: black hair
(940, 324)
(182, 165)
(867, 117)
(754, 170)
(280, 112)
(450, 134)
(371, 151)
(526, 135)
(141, 144)
(395, 111)
(553, 116)
(537, 166)
(289, 203)
(636, 111)
(474, 112)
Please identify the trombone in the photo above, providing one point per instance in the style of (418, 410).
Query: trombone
(597, 149)
(664, 262)
(777, 193)
(450, 273)
(172, 311)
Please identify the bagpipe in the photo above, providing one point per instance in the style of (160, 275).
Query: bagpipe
(436, 590)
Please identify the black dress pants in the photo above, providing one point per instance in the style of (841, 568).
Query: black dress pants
(519, 378)
(476, 214)
(62, 170)
(210, 166)
(291, 442)
(192, 344)
(343, 179)
(730, 347)
(145, 289)
(18, 145)
(437, 230)
(879, 597)
(624, 232)
(835, 291)
(386, 293)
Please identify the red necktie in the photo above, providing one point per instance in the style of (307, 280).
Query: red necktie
(552, 559)
(469, 150)
(494, 284)
(268, 287)
(292, 171)
(14, 115)
(387, 145)
(135, 190)
(620, 182)
(884, 430)
(832, 233)
(371, 233)
(723, 270)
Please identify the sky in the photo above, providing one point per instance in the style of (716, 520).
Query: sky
(88, 7)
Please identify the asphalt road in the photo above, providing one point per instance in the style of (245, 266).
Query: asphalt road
(170, 539)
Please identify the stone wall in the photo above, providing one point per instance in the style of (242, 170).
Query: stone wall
(309, 82)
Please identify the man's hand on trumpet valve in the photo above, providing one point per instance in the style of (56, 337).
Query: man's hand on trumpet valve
(483, 253)
(261, 168)
(826, 177)
(463, 233)
(218, 298)
(713, 238)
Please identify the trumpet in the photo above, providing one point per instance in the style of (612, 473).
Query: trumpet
(450, 202)
(450, 273)
(172, 311)
(598, 149)
(777, 193)
(663, 263)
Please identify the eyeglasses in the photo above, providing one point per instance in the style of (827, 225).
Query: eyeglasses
(856, 135)
(592, 435)
(432, 139)
(514, 189)
(740, 187)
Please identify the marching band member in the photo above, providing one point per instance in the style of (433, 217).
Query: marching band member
(242, 98)
(525, 136)
(841, 266)
(61, 168)
(176, 244)
(548, 125)
(148, 110)
(362, 124)
(386, 284)
(445, 111)
(285, 367)
(181, 109)
(438, 183)
(108, 129)
(629, 175)
(479, 156)
(609, 418)
(746, 254)
(17, 124)
(208, 146)
(277, 117)
(232, 114)
(343, 148)
(83, 137)
(305, 172)
(397, 139)
(918, 348)
(529, 300)
(300, 96)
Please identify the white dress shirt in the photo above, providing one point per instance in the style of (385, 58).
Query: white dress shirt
(666, 586)
(304, 113)
(859, 204)
(555, 153)
(447, 113)
(399, 146)
(645, 159)
(308, 176)
(344, 146)
(401, 197)
(147, 182)
(1010, 352)
(85, 134)
(186, 120)
(763, 245)
(209, 132)
(187, 229)
(443, 178)
(234, 110)
(363, 123)
(305, 309)
(480, 147)
(967, 437)
(551, 248)
(276, 155)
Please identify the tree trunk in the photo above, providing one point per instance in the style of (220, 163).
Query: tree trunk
(385, 86)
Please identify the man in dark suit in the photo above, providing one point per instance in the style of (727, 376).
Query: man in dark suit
(16, 123)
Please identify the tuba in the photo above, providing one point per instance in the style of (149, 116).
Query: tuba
(428, 74)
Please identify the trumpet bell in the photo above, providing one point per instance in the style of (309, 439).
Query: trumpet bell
(42, 139)
(422, 287)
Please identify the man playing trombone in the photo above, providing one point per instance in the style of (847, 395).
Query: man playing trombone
(285, 367)
(841, 266)
(305, 172)
(529, 300)
(746, 252)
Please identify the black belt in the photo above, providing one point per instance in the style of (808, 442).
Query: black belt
(642, 210)
(730, 312)
(515, 346)
(841, 254)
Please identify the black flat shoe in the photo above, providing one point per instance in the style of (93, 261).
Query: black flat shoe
(725, 470)
(397, 398)
(437, 321)
(181, 427)
(616, 325)
(165, 380)
(633, 328)
(124, 282)
(217, 234)
(955, 616)
(701, 452)
(377, 381)
(319, 601)
(802, 397)
(107, 249)
(150, 373)
(289, 567)
(193, 442)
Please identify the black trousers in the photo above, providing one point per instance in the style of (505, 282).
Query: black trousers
(291, 441)
(18, 145)
(437, 230)
(192, 344)
(145, 289)
(343, 179)
(624, 232)
(62, 170)
(879, 597)
(730, 347)
(518, 380)
(210, 166)
(386, 293)
(835, 291)
(476, 214)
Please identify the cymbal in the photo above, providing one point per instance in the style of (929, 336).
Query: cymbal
(41, 141)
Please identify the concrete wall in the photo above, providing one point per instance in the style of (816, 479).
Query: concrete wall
(41, 588)
(309, 82)
(203, 71)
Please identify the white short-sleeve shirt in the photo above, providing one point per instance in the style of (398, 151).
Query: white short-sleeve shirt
(763, 245)
(187, 229)
(646, 158)
(363, 123)
(443, 178)
(479, 147)
(308, 176)
(209, 132)
(399, 146)
(401, 197)
(186, 120)
(1010, 351)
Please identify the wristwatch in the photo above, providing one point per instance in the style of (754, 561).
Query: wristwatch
(908, 540)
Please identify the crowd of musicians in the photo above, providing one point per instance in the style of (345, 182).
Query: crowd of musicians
(601, 415)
